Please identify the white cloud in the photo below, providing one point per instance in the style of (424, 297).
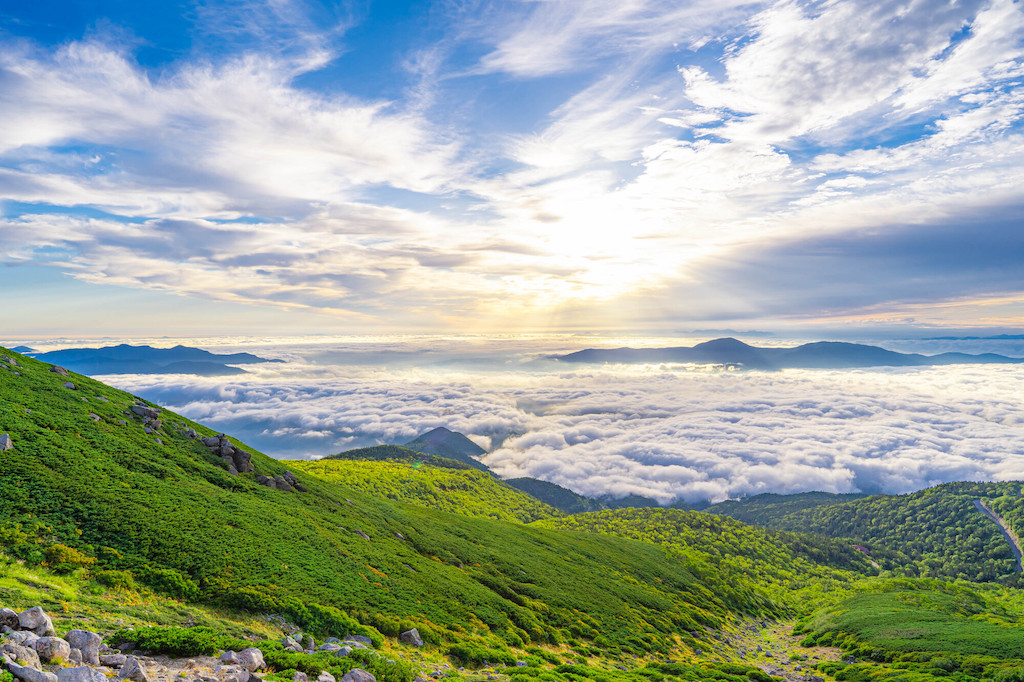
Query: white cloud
(661, 432)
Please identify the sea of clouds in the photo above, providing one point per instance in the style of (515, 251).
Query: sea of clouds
(667, 432)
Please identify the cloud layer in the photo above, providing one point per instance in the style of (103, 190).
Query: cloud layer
(663, 432)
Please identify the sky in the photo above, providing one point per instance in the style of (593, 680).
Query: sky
(293, 167)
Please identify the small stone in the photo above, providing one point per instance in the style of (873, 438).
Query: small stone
(113, 660)
(6, 444)
(229, 658)
(251, 659)
(22, 655)
(300, 676)
(68, 384)
(362, 535)
(59, 370)
(325, 676)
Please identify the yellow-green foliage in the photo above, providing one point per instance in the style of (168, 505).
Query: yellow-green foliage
(459, 491)
(754, 566)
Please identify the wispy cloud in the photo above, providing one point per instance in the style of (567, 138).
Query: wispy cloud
(681, 139)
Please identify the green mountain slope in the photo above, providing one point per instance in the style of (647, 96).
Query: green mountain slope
(445, 485)
(561, 498)
(937, 532)
(766, 509)
(746, 562)
(84, 473)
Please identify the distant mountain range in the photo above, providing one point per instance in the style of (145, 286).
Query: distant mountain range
(126, 359)
(819, 355)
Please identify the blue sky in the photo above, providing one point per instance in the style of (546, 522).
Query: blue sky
(249, 167)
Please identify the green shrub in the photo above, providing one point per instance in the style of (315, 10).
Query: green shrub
(474, 654)
(169, 582)
(178, 642)
(117, 580)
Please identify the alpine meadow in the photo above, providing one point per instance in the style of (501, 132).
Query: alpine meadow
(512, 341)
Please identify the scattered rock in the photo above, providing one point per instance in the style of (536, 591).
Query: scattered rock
(229, 658)
(343, 652)
(328, 646)
(291, 645)
(86, 642)
(362, 534)
(36, 621)
(251, 659)
(8, 617)
(22, 637)
(22, 655)
(520, 664)
(113, 660)
(325, 676)
(358, 675)
(6, 444)
(95, 417)
(52, 649)
(68, 384)
(399, 535)
(300, 676)
(26, 674)
(81, 674)
(59, 370)
(145, 411)
(411, 637)
(362, 639)
(132, 670)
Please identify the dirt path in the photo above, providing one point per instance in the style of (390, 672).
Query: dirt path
(1008, 533)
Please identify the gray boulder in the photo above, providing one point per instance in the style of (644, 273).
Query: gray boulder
(251, 659)
(211, 442)
(229, 658)
(300, 676)
(86, 642)
(6, 444)
(354, 645)
(51, 648)
(358, 675)
(8, 617)
(113, 660)
(329, 647)
(22, 637)
(27, 674)
(332, 640)
(343, 652)
(145, 411)
(22, 655)
(68, 384)
(411, 637)
(81, 674)
(325, 676)
(362, 639)
(132, 670)
(36, 620)
(291, 645)
(59, 370)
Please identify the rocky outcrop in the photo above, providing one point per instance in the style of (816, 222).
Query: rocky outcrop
(132, 670)
(36, 621)
(358, 675)
(237, 460)
(411, 637)
(52, 649)
(88, 643)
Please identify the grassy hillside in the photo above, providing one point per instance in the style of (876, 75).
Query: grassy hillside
(936, 532)
(752, 565)
(86, 487)
(766, 509)
(455, 488)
